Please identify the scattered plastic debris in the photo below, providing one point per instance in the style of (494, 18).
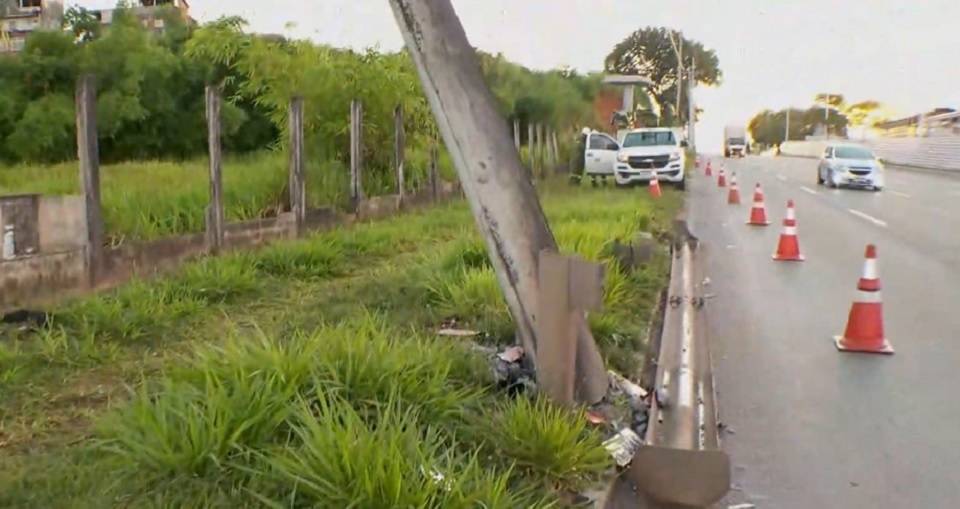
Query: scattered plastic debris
(632, 390)
(623, 446)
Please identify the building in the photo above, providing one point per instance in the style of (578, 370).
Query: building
(148, 12)
(939, 121)
(27, 16)
(24, 17)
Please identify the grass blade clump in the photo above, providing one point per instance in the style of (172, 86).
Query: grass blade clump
(369, 363)
(547, 442)
(216, 280)
(310, 260)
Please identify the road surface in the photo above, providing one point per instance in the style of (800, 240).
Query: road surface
(810, 427)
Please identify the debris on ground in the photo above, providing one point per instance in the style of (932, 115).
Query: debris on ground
(636, 393)
(508, 369)
(623, 446)
(596, 418)
(742, 506)
(458, 333)
(512, 354)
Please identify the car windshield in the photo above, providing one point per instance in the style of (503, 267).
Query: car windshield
(853, 153)
(736, 141)
(649, 139)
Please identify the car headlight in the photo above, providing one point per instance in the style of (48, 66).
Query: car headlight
(675, 156)
(623, 158)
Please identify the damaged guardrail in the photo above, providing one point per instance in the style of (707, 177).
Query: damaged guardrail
(680, 462)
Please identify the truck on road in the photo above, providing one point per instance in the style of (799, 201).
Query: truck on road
(734, 141)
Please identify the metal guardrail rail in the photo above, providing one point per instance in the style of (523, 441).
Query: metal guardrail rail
(681, 463)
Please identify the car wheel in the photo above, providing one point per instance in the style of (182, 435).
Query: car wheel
(877, 189)
(682, 185)
(819, 178)
(830, 182)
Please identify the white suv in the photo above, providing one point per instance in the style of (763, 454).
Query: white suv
(651, 153)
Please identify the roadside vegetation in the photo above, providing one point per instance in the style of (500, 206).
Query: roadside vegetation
(309, 374)
(153, 138)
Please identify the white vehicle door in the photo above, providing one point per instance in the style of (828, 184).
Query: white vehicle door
(601, 154)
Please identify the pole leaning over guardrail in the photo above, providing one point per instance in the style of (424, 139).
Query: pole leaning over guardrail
(501, 196)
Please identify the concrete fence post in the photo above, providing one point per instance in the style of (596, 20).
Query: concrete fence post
(540, 152)
(531, 146)
(556, 151)
(297, 175)
(356, 154)
(215, 212)
(88, 153)
(399, 146)
(434, 170)
(516, 133)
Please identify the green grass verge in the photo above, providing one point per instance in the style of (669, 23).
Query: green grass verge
(148, 200)
(308, 374)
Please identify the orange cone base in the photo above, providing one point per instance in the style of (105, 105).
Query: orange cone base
(844, 346)
(795, 258)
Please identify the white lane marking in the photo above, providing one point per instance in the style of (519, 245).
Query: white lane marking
(782, 178)
(898, 193)
(868, 217)
(808, 190)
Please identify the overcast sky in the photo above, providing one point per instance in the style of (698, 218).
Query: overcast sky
(774, 53)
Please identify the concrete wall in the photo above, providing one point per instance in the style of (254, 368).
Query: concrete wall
(61, 223)
(935, 152)
(41, 278)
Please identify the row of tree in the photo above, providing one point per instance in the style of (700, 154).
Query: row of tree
(829, 115)
(150, 101)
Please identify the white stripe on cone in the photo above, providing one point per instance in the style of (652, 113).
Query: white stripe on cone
(870, 269)
(864, 297)
(790, 231)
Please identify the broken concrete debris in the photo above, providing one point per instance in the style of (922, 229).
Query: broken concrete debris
(623, 446)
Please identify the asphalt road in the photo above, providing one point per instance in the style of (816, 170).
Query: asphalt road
(810, 427)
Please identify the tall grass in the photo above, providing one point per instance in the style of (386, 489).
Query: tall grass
(355, 413)
(151, 199)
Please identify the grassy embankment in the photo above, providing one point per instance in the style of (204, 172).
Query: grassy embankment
(308, 374)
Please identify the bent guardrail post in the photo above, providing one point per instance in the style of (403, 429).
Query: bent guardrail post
(681, 462)
(501, 196)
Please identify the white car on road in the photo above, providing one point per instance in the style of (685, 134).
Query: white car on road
(851, 166)
(651, 153)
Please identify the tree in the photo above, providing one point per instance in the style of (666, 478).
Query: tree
(648, 52)
(82, 23)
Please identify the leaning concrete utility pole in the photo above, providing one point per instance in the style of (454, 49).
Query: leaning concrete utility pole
(501, 195)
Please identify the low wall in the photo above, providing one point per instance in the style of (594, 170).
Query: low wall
(39, 279)
(935, 152)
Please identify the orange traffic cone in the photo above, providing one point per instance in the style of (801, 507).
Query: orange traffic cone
(709, 171)
(733, 197)
(758, 214)
(865, 325)
(655, 186)
(789, 248)
(722, 179)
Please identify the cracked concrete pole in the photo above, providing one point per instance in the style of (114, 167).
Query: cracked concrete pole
(501, 196)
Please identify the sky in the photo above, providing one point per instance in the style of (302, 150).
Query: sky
(774, 53)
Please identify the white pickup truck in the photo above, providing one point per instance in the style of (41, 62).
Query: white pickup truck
(638, 157)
